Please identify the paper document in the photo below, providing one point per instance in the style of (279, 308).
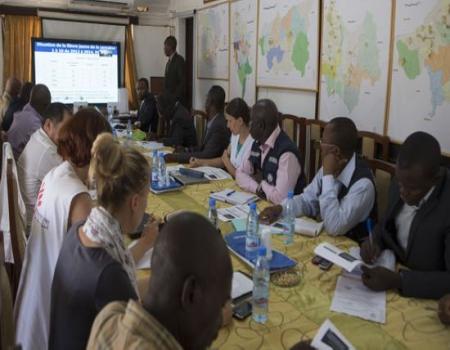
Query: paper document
(233, 213)
(353, 298)
(146, 261)
(150, 145)
(329, 338)
(386, 258)
(307, 227)
(234, 197)
(241, 285)
(214, 174)
(337, 256)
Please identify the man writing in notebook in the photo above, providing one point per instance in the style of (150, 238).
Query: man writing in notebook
(217, 135)
(342, 194)
(272, 168)
(416, 225)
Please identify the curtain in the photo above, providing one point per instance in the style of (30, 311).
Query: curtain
(130, 69)
(17, 34)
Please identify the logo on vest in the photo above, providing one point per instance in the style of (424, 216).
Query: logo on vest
(273, 160)
(255, 154)
(270, 178)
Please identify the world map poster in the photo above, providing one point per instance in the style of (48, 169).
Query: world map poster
(420, 98)
(288, 42)
(243, 50)
(355, 61)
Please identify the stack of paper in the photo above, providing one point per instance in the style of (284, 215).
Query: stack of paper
(308, 227)
(329, 338)
(233, 213)
(337, 256)
(145, 262)
(150, 145)
(234, 197)
(214, 174)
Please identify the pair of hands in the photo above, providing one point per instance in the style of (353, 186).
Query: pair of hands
(333, 164)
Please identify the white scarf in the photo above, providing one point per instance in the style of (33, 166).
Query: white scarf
(104, 230)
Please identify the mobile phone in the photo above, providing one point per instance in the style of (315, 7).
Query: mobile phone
(325, 265)
(242, 310)
(137, 234)
(316, 260)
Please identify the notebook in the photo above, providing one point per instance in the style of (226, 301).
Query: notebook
(308, 227)
(234, 197)
(188, 180)
(236, 243)
(172, 186)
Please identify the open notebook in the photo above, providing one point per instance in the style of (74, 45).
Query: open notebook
(234, 197)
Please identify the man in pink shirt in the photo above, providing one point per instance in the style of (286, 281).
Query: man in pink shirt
(272, 168)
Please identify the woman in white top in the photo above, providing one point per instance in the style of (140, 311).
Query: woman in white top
(237, 114)
(63, 200)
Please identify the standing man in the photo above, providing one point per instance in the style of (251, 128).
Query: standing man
(147, 113)
(175, 74)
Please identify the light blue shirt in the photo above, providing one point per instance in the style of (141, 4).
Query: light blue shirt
(320, 199)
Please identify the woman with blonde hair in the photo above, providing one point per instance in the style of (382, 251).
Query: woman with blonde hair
(94, 267)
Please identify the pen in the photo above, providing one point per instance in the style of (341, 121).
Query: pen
(369, 226)
(230, 193)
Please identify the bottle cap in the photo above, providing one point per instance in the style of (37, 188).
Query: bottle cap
(161, 155)
(252, 206)
(212, 202)
(262, 251)
(291, 194)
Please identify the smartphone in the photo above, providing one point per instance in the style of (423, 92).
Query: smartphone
(242, 310)
(137, 234)
(323, 264)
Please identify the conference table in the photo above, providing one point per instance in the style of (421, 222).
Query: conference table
(296, 313)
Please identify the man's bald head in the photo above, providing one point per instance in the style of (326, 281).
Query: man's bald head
(191, 279)
(13, 86)
(40, 98)
(264, 120)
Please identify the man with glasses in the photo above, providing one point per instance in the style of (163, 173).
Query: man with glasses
(342, 193)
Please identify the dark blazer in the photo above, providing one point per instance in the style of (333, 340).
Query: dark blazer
(215, 141)
(16, 105)
(148, 114)
(175, 78)
(182, 129)
(428, 252)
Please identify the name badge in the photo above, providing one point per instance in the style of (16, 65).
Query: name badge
(273, 160)
(255, 154)
(270, 178)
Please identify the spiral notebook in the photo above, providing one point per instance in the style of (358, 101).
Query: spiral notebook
(236, 243)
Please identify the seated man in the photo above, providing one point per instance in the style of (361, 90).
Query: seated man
(272, 166)
(147, 114)
(17, 105)
(40, 155)
(217, 135)
(12, 89)
(416, 225)
(189, 286)
(342, 193)
(181, 125)
(27, 121)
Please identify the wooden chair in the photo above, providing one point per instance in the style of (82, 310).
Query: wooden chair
(295, 128)
(16, 232)
(6, 304)
(314, 132)
(383, 172)
(200, 121)
(372, 145)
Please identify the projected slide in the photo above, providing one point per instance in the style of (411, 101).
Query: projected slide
(77, 71)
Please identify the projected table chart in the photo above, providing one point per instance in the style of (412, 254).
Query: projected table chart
(297, 313)
(77, 71)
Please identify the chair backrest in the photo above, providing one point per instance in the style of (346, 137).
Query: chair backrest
(157, 85)
(17, 241)
(295, 128)
(200, 121)
(314, 131)
(6, 304)
(371, 144)
(383, 173)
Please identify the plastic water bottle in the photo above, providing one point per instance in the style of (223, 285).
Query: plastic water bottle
(266, 241)
(252, 236)
(155, 167)
(162, 171)
(212, 213)
(261, 277)
(129, 131)
(289, 219)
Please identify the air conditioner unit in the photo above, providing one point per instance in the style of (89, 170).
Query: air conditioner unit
(112, 4)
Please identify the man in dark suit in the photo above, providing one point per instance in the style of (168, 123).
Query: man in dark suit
(147, 113)
(416, 225)
(217, 135)
(175, 74)
(182, 130)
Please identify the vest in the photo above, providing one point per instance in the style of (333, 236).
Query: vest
(269, 169)
(362, 171)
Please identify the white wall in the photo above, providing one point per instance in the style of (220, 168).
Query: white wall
(292, 102)
(1, 56)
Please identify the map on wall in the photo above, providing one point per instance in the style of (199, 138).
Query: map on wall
(355, 61)
(213, 42)
(288, 43)
(243, 50)
(420, 98)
